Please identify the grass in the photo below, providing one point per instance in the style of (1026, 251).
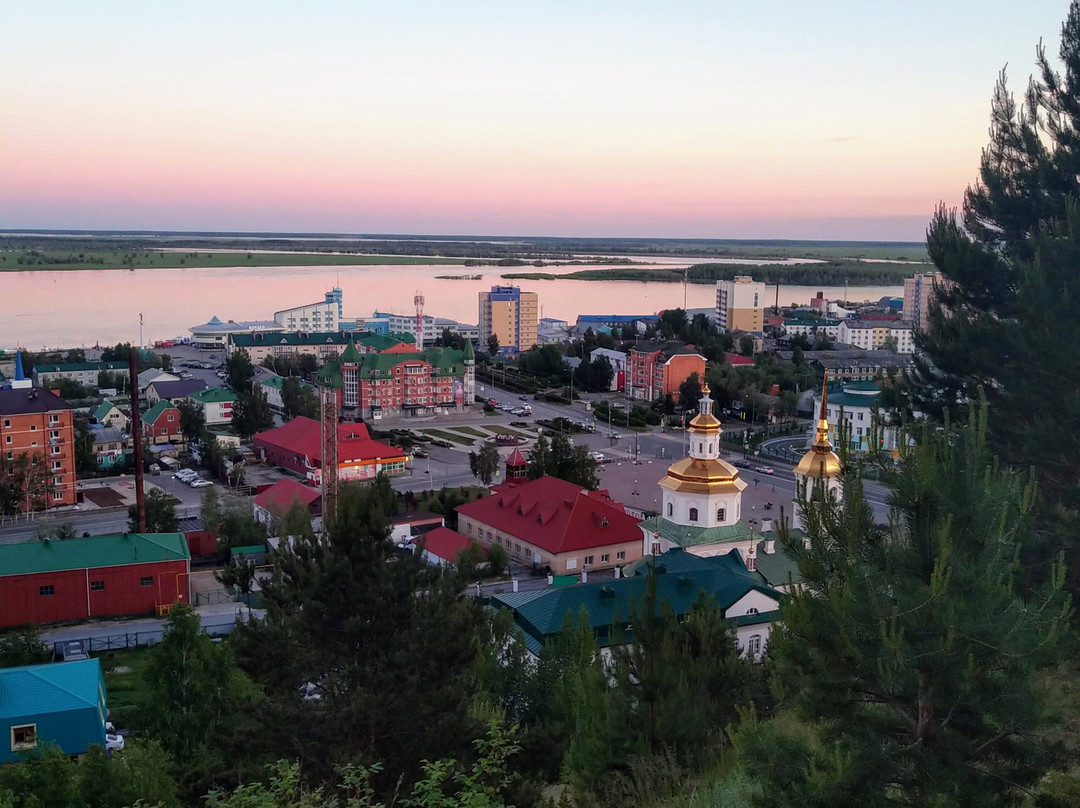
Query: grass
(499, 429)
(468, 430)
(123, 681)
(39, 261)
(450, 436)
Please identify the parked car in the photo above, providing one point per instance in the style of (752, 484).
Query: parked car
(597, 456)
(616, 436)
(492, 402)
(742, 464)
(200, 483)
(764, 469)
(421, 453)
(523, 398)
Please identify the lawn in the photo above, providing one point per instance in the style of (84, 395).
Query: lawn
(468, 430)
(39, 260)
(498, 429)
(123, 682)
(450, 436)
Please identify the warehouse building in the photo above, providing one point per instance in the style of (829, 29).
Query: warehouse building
(99, 576)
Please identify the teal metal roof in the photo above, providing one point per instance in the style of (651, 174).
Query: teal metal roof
(777, 567)
(852, 394)
(213, 394)
(72, 367)
(685, 536)
(114, 550)
(103, 409)
(152, 414)
(54, 688)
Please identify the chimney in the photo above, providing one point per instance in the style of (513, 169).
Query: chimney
(770, 546)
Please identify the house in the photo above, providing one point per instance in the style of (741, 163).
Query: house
(555, 524)
(812, 327)
(296, 446)
(276, 501)
(173, 391)
(216, 404)
(747, 602)
(738, 360)
(110, 447)
(659, 368)
(407, 526)
(619, 364)
(151, 375)
(98, 576)
(271, 386)
(854, 365)
(38, 424)
(60, 703)
(85, 373)
(161, 424)
(109, 415)
(441, 547)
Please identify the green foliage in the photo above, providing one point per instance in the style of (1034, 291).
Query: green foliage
(298, 399)
(160, 513)
(194, 699)
(543, 360)
(442, 501)
(558, 457)
(23, 646)
(252, 413)
(498, 558)
(85, 458)
(297, 523)
(240, 529)
(690, 392)
(71, 390)
(240, 371)
(301, 365)
(192, 419)
(210, 510)
(493, 344)
(484, 464)
(596, 375)
(910, 649)
(392, 672)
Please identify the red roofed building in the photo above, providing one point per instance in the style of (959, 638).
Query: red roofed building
(516, 466)
(442, 546)
(276, 501)
(297, 447)
(737, 359)
(555, 524)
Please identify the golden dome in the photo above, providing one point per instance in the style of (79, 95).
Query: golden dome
(698, 476)
(820, 460)
(705, 421)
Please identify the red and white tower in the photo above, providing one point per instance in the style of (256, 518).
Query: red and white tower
(418, 301)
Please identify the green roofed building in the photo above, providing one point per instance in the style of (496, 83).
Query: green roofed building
(216, 403)
(747, 602)
(435, 381)
(323, 344)
(98, 576)
(85, 373)
(61, 704)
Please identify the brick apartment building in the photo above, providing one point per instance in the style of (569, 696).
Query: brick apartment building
(658, 368)
(38, 423)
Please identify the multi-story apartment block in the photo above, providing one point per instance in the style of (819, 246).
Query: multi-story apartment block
(322, 344)
(740, 304)
(871, 335)
(433, 327)
(811, 327)
(659, 368)
(919, 294)
(39, 425)
(322, 316)
(511, 315)
(85, 373)
(435, 381)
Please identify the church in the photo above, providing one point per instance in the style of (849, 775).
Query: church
(701, 508)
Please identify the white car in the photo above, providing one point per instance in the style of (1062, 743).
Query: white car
(764, 469)
(200, 483)
(185, 475)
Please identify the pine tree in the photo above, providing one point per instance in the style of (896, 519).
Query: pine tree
(909, 650)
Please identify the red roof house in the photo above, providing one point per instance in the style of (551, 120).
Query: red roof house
(737, 359)
(555, 524)
(442, 546)
(278, 499)
(297, 447)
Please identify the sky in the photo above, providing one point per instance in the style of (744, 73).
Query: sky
(715, 119)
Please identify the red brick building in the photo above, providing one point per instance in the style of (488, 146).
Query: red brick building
(659, 368)
(297, 447)
(101, 576)
(37, 426)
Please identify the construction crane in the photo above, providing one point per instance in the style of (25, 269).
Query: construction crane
(418, 301)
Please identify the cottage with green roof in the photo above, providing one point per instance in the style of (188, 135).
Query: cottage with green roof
(745, 599)
(216, 404)
(109, 415)
(98, 576)
(161, 424)
(61, 704)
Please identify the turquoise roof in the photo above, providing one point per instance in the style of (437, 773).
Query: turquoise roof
(113, 550)
(685, 536)
(103, 409)
(152, 414)
(53, 688)
(863, 394)
(213, 394)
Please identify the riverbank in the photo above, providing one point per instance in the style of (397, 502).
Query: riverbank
(33, 260)
(828, 273)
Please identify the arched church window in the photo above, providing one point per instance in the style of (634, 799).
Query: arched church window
(721, 514)
(693, 514)
(701, 447)
(670, 509)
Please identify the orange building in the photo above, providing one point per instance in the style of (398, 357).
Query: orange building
(659, 368)
(38, 424)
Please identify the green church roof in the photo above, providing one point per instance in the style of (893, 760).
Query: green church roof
(329, 375)
(685, 536)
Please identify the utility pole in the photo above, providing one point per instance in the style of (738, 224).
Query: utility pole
(140, 331)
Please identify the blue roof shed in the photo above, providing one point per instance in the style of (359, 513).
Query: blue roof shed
(61, 703)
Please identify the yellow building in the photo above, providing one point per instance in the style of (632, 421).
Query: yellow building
(511, 315)
(740, 304)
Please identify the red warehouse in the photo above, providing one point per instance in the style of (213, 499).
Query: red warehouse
(296, 446)
(99, 576)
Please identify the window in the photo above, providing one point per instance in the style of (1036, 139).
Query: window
(57, 465)
(33, 427)
(753, 645)
(164, 431)
(170, 418)
(7, 439)
(97, 586)
(23, 737)
(693, 514)
(7, 423)
(701, 447)
(588, 561)
(58, 496)
(670, 509)
(620, 556)
(721, 514)
(752, 610)
(46, 591)
(571, 564)
(468, 528)
(605, 558)
(146, 581)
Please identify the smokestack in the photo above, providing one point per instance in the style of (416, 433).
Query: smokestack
(136, 431)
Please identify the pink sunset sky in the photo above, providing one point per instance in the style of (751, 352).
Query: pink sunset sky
(703, 119)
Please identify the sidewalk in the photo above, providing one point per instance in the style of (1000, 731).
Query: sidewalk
(100, 635)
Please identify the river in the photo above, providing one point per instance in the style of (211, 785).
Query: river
(83, 307)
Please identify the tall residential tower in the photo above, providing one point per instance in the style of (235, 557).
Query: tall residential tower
(740, 304)
(511, 315)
